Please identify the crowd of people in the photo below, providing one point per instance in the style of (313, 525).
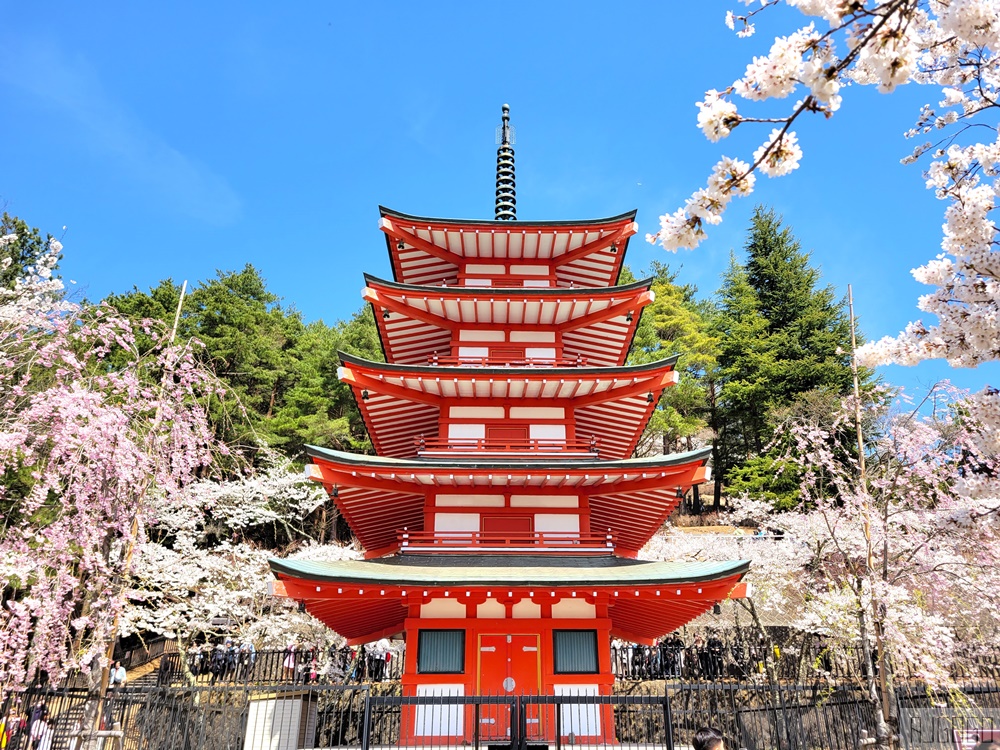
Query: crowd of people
(224, 661)
(33, 729)
(706, 657)
(298, 663)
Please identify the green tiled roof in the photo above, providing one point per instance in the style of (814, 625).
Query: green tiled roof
(507, 570)
(626, 464)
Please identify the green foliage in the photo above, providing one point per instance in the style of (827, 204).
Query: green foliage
(280, 373)
(769, 479)
(781, 336)
(674, 324)
(24, 251)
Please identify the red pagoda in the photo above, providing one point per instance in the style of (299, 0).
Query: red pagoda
(503, 513)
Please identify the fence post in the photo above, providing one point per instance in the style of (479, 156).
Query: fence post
(366, 722)
(522, 722)
(558, 709)
(668, 721)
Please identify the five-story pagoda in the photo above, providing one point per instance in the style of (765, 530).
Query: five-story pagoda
(503, 513)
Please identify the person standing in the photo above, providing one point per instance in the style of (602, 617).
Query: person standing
(715, 649)
(41, 732)
(288, 665)
(708, 738)
(117, 676)
(675, 655)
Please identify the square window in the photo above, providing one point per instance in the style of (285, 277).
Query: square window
(441, 651)
(574, 651)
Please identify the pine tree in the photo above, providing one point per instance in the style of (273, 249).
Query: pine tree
(781, 336)
(280, 375)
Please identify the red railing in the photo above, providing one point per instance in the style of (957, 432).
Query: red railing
(485, 445)
(501, 361)
(478, 542)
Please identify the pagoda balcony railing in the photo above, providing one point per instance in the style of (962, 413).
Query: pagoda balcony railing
(501, 361)
(481, 542)
(533, 447)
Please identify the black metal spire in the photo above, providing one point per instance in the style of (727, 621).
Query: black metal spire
(506, 203)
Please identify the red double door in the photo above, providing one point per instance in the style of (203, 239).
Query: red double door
(509, 665)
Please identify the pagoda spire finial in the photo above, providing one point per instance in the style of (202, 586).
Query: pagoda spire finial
(506, 203)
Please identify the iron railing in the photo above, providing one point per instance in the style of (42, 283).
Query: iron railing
(131, 658)
(302, 667)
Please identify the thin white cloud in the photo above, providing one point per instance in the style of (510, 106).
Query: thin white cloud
(73, 91)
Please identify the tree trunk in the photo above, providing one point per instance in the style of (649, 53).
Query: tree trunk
(883, 737)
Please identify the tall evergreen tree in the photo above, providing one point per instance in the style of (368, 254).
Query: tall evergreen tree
(674, 323)
(782, 335)
(280, 374)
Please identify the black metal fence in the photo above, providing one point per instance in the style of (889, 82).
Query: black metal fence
(144, 653)
(811, 705)
(302, 667)
(248, 717)
(710, 660)
(714, 660)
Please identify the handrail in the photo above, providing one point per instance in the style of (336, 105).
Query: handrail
(501, 361)
(539, 445)
(480, 541)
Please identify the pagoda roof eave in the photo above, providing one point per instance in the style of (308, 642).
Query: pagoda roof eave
(418, 322)
(366, 600)
(630, 498)
(507, 570)
(624, 371)
(648, 463)
(584, 253)
(494, 224)
(525, 291)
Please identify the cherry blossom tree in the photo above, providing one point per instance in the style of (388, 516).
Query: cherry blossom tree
(83, 448)
(900, 557)
(196, 570)
(953, 45)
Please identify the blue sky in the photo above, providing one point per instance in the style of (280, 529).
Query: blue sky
(175, 139)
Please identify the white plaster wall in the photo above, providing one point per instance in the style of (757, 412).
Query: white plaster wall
(474, 412)
(539, 337)
(529, 270)
(478, 282)
(537, 282)
(484, 268)
(467, 431)
(438, 609)
(537, 412)
(544, 501)
(473, 351)
(456, 522)
(491, 609)
(562, 522)
(582, 720)
(526, 610)
(571, 609)
(474, 501)
(548, 432)
(476, 335)
(540, 352)
(440, 721)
